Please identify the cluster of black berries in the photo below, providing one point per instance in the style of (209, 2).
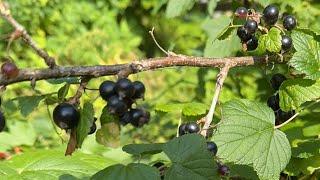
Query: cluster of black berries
(120, 97)
(270, 16)
(2, 120)
(273, 101)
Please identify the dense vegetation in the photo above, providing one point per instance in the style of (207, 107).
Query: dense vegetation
(132, 126)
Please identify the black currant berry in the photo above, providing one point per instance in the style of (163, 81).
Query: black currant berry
(241, 12)
(251, 26)
(273, 102)
(116, 106)
(271, 14)
(93, 128)
(66, 116)
(192, 127)
(286, 42)
(277, 80)
(282, 116)
(9, 70)
(252, 44)
(106, 89)
(289, 22)
(182, 129)
(2, 121)
(125, 119)
(139, 117)
(139, 89)
(243, 34)
(212, 147)
(124, 88)
(223, 170)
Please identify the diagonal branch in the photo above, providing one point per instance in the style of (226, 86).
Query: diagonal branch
(19, 29)
(131, 68)
(208, 119)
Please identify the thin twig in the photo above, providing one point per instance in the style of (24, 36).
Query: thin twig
(220, 80)
(156, 42)
(80, 91)
(5, 13)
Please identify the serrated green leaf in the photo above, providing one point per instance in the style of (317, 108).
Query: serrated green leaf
(307, 58)
(271, 41)
(247, 136)
(190, 159)
(27, 104)
(194, 109)
(52, 165)
(63, 91)
(86, 121)
(109, 135)
(137, 149)
(295, 92)
(178, 7)
(133, 171)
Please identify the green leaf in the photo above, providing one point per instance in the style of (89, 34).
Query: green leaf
(307, 149)
(63, 91)
(51, 164)
(69, 80)
(187, 109)
(27, 104)
(222, 48)
(307, 58)
(133, 171)
(227, 32)
(247, 136)
(212, 6)
(109, 134)
(271, 41)
(311, 131)
(178, 7)
(302, 165)
(295, 92)
(86, 121)
(190, 159)
(168, 107)
(137, 149)
(106, 117)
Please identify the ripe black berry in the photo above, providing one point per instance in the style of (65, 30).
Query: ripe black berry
(93, 128)
(251, 26)
(289, 22)
(139, 117)
(243, 34)
(282, 116)
(241, 12)
(9, 70)
(252, 44)
(223, 170)
(66, 116)
(116, 106)
(182, 129)
(286, 42)
(277, 80)
(139, 89)
(2, 121)
(212, 147)
(106, 89)
(271, 14)
(273, 102)
(124, 88)
(125, 118)
(192, 127)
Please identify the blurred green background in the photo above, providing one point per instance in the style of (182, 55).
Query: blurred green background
(98, 32)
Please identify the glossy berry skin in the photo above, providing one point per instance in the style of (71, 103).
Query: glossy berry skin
(124, 88)
(116, 106)
(192, 127)
(139, 89)
(139, 117)
(9, 70)
(2, 121)
(273, 102)
(93, 128)
(286, 42)
(106, 89)
(252, 44)
(66, 116)
(125, 119)
(212, 147)
(271, 14)
(277, 80)
(223, 170)
(182, 129)
(251, 26)
(289, 22)
(243, 34)
(241, 12)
